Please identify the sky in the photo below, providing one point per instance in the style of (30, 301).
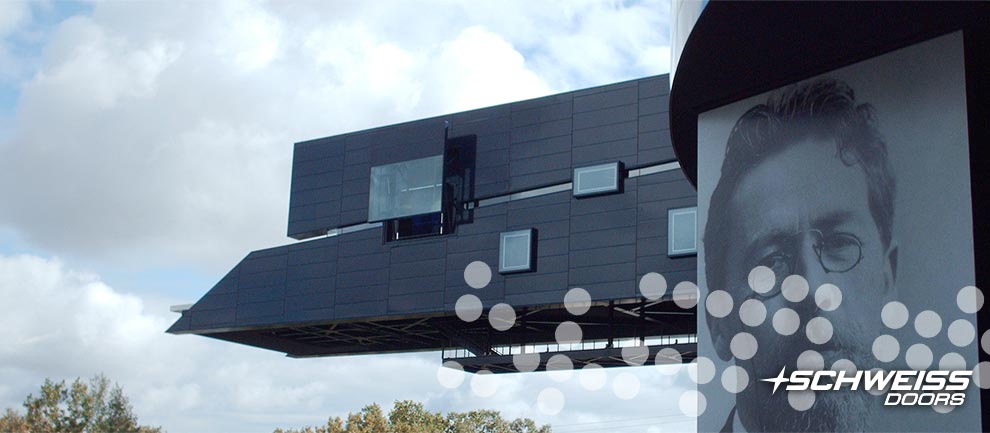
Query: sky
(145, 148)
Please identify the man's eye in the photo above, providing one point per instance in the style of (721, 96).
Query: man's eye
(840, 251)
(779, 263)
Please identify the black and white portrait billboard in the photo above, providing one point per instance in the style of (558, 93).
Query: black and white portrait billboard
(836, 234)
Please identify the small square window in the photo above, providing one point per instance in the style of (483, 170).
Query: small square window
(682, 231)
(516, 251)
(598, 179)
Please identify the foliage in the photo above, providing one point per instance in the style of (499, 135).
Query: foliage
(411, 417)
(93, 407)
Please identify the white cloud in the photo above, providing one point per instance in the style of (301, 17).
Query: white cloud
(14, 16)
(156, 134)
(61, 324)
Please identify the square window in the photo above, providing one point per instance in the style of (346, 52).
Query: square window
(516, 251)
(598, 179)
(405, 189)
(682, 231)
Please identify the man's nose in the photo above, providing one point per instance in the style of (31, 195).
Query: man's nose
(808, 266)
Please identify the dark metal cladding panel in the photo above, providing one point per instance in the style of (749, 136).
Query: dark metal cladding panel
(654, 86)
(606, 133)
(521, 284)
(427, 302)
(553, 110)
(606, 116)
(653, 105)
(606, 97)
(361, 294)
(625, 150)
(654, 121)
(356, 310)
(423, 284)
(311, 280)
(542, 147)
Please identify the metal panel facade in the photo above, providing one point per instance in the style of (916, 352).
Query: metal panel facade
(603, 244)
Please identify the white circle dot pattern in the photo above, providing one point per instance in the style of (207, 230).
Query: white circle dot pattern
(450, 374)
(719, 303)
(692, 403)
(568, 333)
(961, 333)
(625, 386)
(886, 348)
(735, 379)
(653, 286)
(668, 355)
(828, 297)
(468, 308)
(969, 299)
(550, 401)
(635, 355)
(477, 274)
(577, 301)
(502, 317)
(844, 365)
(810, 360)
(894, 315)
(942, 408)
(819, 330)
(786, 321)
(985, 341)
(801, 400)
(743, 346)
(952, 361)
(752, 312)
(560, 368)
(927, 324)
(761, 279)
(918, 357)
(794, 288)
(526, 362)
(484, 384)
(685, 294)
(592, 377)
(701, 370)
(981, 375)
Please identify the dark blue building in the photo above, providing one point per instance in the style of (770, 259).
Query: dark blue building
(576, 190)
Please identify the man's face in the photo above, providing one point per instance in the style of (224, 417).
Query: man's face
(791, 209)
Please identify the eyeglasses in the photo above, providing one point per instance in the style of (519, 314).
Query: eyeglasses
(836, 252)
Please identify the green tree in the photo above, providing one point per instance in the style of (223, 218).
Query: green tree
(411, 417)
(93, 407)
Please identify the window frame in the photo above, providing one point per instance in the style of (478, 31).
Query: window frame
(530, 247)
(671, 214)
(617, 169)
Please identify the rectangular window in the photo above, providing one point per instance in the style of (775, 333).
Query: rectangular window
(598, 179)
(516, 251)
(405, 189)
(682, 231)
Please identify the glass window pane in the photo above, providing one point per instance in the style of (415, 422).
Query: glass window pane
(596, 179)
(682, 231)
(515, 251)
(406, 188)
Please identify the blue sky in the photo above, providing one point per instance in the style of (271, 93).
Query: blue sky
(145, 148)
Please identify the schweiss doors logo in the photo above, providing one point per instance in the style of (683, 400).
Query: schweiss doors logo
(903, 387)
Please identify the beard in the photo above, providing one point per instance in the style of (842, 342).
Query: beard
(843, 410)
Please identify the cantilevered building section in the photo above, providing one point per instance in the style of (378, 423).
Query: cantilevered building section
(576, 190)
